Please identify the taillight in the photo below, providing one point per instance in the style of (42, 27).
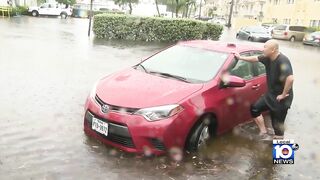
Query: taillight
(285, 33)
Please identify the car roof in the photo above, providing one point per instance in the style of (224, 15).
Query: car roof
(221, 46)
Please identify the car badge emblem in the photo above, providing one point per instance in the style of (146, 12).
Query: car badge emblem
(104, 108)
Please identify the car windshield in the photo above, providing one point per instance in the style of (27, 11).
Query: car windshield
(192, 64)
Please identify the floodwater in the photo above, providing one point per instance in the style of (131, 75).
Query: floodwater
(47, 68)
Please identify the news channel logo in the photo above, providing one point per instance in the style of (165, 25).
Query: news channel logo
(283, 151)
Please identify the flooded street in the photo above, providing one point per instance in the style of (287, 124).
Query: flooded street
(48, 67)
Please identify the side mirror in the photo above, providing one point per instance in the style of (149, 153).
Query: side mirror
(232, 81)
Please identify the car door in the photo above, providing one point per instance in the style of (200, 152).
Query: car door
(278, 32)
(52, 9)
(43, 10)
(236, 108)
(259, 80)
(245, 33)
(241, 33)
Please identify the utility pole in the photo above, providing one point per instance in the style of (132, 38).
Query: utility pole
(90, 18)
(230, 14)
(200, 9)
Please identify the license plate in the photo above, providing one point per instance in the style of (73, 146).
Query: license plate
(100, 126)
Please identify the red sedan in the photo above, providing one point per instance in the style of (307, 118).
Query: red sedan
(178, 97)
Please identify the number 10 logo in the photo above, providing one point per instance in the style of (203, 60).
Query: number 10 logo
(283, 152)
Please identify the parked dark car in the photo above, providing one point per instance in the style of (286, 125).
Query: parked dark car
(312, 39)
(254, 33)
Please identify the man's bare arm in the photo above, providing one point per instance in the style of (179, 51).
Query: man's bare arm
(287, 86)
(246, 58)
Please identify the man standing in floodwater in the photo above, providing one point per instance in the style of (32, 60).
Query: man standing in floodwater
(279, 95)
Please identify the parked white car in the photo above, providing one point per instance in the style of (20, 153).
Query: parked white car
(51, 9)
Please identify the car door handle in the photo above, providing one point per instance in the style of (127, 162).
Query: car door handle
(256, 86)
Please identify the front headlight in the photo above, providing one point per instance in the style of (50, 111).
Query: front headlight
(93, 90)
(160, 112)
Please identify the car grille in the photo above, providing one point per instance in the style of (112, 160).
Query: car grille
(157, 144)
(117, 133)
(115, 108)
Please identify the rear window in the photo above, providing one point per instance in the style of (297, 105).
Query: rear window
(281, 27)
(297, 28)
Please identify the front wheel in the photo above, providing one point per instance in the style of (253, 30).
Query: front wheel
(34, 13)
(200, 135)
(63, 16)
(251, 39)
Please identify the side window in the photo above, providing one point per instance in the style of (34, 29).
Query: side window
(259, 68)
(44, 6)
(281, 27)
(241, 69)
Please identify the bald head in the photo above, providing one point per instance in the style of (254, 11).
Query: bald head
(271, 48)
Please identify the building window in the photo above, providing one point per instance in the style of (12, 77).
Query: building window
(290, 1)
(315, 23)
(276, 2)
(286, 21)
(317, 0)
(275, 20)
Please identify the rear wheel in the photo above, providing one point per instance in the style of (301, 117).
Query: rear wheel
(63, 15)
(292, 38)
(200, 134)
(34, 13)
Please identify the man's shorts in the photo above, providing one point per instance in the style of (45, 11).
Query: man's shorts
(277, 116)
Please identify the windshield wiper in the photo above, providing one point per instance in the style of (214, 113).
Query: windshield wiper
(170, 75)
(142, 67)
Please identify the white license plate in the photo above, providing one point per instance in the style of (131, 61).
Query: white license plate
(100, 126)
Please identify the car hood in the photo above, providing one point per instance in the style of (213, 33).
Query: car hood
(261, 34)
(137, 89)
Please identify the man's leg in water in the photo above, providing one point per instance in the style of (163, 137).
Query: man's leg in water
(260, 123)
(277, 119)
(256, 110)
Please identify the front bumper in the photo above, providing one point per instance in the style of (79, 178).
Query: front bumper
(132, 133)
(311, 42)
(262, 39)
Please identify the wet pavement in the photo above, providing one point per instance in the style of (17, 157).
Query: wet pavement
(47, 68)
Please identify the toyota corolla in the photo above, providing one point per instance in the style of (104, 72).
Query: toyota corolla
(179, 97)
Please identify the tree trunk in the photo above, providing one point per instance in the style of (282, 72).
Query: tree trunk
(187, 10)
(172, 8)
(130, 7)
(156, 1)
(177, 8)
(193, 5)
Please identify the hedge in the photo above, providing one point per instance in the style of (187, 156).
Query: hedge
(118, 26)
(18, 10)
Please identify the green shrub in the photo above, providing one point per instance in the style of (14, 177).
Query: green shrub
(313, 29)
(117, 26)
(107, 11)
(18, 10)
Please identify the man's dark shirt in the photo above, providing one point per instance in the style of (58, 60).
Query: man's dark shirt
(277, 72)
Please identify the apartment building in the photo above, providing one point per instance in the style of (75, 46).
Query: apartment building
(294, 12)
